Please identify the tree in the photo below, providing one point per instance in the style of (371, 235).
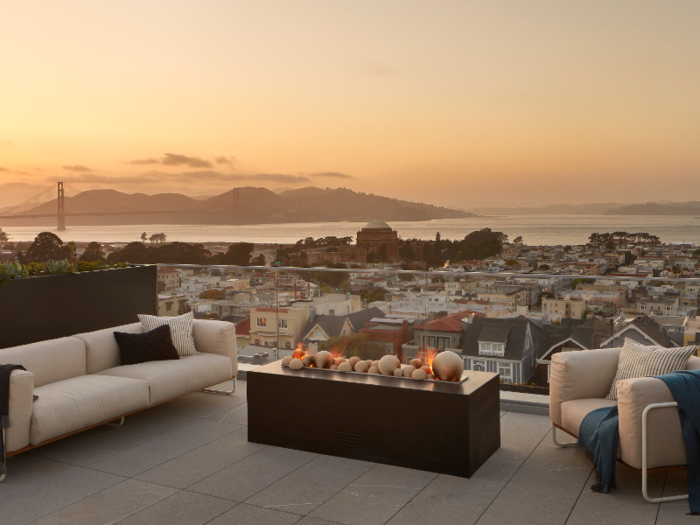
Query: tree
(3, 238)
(359, 345)
(144, 237)
(567, 249)
(511, 262)
(518, 240)
(259, 261)
(237, 254)
(213, 294)
(46, 247)
(92, 253)
(545, 267)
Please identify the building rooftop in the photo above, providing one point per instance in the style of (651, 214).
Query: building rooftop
(189, 462)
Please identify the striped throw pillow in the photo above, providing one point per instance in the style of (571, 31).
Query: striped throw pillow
(180, 330)
(637, 360)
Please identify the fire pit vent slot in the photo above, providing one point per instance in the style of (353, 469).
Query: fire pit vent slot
(350, 439)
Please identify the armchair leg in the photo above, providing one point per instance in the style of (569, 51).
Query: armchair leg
(645, 459)
(561, 445)
(4, 458)
(116, 423)
(221, 392)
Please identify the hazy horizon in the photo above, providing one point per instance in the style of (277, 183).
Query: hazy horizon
(459, 104)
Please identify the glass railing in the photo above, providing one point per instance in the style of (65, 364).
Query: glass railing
(505, 322)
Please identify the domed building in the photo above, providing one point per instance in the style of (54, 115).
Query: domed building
(378, 238)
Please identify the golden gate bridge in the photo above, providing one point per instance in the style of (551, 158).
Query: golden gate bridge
(42, 205)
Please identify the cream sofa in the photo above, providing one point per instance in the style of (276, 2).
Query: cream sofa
(579, 383)
(80, 383)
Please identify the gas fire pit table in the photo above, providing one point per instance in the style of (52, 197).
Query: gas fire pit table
(449, 428)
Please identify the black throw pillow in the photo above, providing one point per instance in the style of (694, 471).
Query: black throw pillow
(156, 345)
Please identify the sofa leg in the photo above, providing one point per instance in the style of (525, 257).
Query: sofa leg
(645, 459)
(116, 423)
(4, 457)
(221, 392)
(561, 445)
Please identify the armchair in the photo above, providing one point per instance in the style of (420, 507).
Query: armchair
(651, 440)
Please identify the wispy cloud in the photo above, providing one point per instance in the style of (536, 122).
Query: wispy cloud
(375, 68)
(229, 161)
(19, 185)
(143, 161)
(4, 169)
(173, 159)
(189, 177)
(332, 175)
(76, 167)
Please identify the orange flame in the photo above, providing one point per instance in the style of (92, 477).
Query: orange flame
(338, 351)
(299, 353)
(427, 356)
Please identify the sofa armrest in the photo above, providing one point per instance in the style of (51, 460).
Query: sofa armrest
(666, 446)
(216, 337)
(20, 414)
(580, 375)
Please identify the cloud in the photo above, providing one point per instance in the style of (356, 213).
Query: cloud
(375, 68)
(229, 161)
(258, 177)
(173, 159)
(18, 185)
(76, 167)
(143, 161)
(4, 169)
(92, 178)
(333, 175)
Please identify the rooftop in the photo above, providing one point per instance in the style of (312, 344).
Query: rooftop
(189, 461)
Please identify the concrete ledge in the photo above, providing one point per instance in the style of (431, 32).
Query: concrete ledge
(525, 403)
(243, 369)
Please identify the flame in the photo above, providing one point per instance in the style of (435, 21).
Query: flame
(427, 356)
(299, 353)
(339, 350)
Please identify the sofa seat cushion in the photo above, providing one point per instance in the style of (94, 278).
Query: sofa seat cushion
(73, 404)
(170, 379)
(573, 412)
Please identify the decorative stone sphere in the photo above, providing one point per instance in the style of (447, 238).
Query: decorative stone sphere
(353, 360)
(374, 370)
(416, 363)
(334, 367)
(448, 366)
(323, 359)
(426, 369)
(296, 364)
(286, 360)
(408, 370)
(370, 363)
(398, 372)
(345, 367)
(419, 375)
(338, 360)
(361, 367)
(308, 360)
(388, 364)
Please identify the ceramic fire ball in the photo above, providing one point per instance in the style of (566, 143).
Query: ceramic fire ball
(416, 363)
(388, 364)
(287, 360)
(296, 364)
(419, 375)
(323, 359)
(426, 369)
(408, 370)
(334, 367)
(448, 366)
(374, 370)
(353, 360)
(398, 372)
(361, 367)
(345, 367)
(308, 360)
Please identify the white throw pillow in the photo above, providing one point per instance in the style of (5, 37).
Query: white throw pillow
(637, 360)
(180, 330)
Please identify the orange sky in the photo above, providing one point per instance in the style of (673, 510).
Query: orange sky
(456, 103)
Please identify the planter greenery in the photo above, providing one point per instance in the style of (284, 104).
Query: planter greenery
(15, 270)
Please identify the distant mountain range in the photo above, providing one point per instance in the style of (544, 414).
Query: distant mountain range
(690, 208)
(255, 206)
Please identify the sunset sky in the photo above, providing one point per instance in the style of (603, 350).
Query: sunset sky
(458, 103)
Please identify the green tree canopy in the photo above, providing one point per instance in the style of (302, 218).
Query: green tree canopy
(46, 247)
(93, 253)
(237, 254)
(213, 294)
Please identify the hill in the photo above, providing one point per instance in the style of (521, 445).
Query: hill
(255, 206)
(690, 208)
(554, 209)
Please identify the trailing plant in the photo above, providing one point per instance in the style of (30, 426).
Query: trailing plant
(15, 270)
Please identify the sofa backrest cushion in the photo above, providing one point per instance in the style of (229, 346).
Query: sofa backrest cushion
(49, 361)
(102, 347)
(693, 363)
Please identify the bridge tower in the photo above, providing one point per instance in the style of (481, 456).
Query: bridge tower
(61, 208)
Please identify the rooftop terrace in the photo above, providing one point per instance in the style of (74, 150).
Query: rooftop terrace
(189, 461)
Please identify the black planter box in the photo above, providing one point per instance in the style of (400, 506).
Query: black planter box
(41, 308)
(438, 427)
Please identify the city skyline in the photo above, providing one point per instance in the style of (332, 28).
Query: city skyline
(461, 104)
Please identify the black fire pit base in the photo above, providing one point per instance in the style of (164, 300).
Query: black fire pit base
(447, 428)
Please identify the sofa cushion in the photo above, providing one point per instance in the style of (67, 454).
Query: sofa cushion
(73, 404)
(155, 345)
(180, 330)
(170, 379)
(216, 337)
(102, 348)
(637, 360)
(573, 412)
(49, 361)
